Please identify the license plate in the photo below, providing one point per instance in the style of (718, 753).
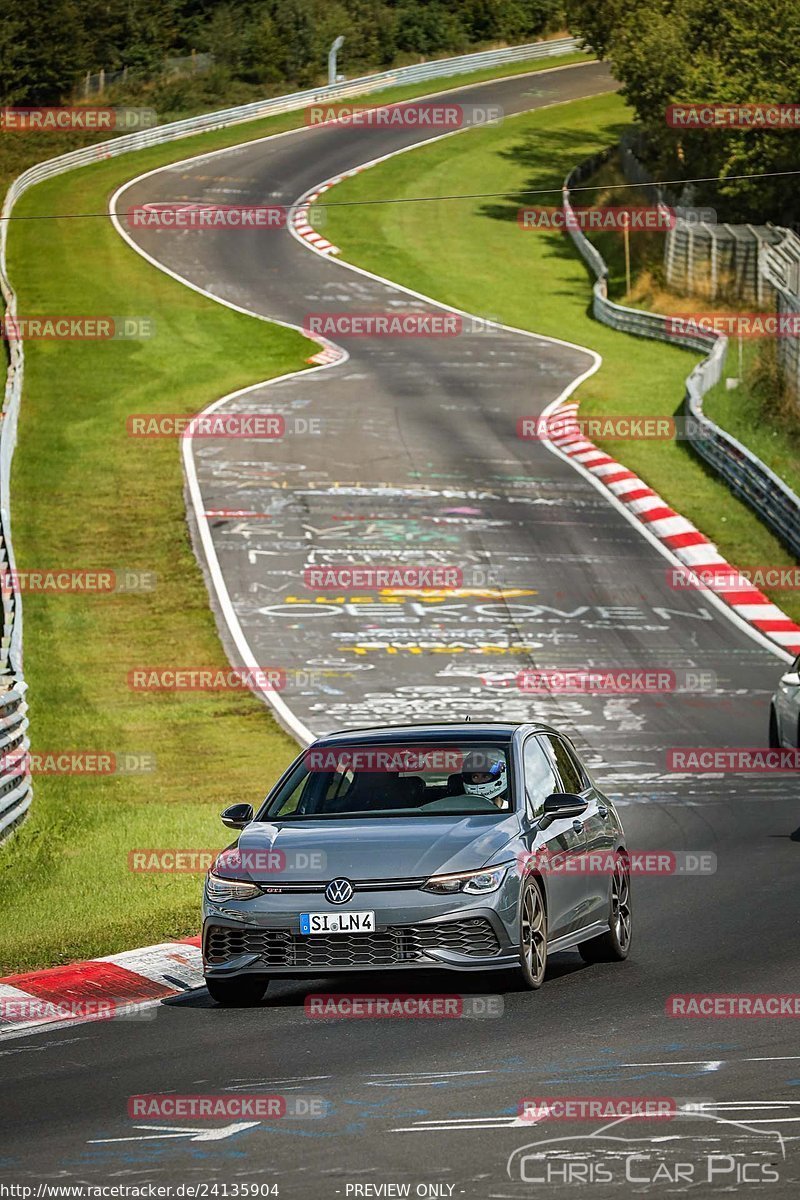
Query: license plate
(343, 922)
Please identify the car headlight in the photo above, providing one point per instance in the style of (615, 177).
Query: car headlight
(476, 883)
(218, 888)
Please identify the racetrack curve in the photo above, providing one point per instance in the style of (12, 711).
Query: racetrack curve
(418, 462)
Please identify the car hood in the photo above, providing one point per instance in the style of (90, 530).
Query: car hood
(377, 848)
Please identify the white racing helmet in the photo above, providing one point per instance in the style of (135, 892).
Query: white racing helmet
(484, 774)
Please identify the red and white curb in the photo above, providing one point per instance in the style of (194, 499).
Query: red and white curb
(327, 356)
(306, 231)
(683, 539)
(300, 218)
(300, 224)
(117, 986)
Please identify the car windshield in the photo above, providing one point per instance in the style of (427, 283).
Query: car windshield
(395, 779)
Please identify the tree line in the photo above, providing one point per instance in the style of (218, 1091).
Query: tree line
(664, 52)
(698, 52)
(47, 45)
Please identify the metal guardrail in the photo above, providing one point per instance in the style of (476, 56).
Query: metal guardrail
(226, 117)
(746, 475)
(15, 790)
(15, 783)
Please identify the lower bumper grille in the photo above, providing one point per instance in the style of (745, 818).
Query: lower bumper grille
(397, 944)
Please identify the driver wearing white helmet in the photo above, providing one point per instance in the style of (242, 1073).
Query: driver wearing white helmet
(484, 774)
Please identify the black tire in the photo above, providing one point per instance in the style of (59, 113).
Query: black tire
(532, 936)
(242, 992)
(774, 736)
(615, 944)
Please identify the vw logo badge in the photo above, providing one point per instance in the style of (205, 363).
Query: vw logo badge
(339, 891)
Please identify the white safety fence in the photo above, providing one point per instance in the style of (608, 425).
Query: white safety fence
(15, 791)
(780, 267)
(746, 475)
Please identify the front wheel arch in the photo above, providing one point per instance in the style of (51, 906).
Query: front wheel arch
(613, 945)
(775, 729)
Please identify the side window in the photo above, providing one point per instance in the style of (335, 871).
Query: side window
(540, 778)
(572, 777)
(293, 801)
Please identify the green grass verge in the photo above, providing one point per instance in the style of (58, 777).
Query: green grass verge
(754, 413)
(472, 254)
(85, 495)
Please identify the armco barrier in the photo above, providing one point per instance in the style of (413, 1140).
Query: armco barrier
(747, 476)
(15, 793)
(15, 785)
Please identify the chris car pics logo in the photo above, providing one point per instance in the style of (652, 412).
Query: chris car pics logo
(699, 1150)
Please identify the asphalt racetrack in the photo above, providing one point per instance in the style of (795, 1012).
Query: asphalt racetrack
(418, 462)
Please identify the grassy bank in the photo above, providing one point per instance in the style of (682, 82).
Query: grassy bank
(87, 495)
(756, 413)
(471, 253)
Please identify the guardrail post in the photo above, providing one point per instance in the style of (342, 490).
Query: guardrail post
(332, 55)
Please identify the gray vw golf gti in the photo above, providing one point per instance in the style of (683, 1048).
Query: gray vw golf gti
(463, 847)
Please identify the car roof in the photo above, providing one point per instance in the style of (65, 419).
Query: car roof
(463, 730)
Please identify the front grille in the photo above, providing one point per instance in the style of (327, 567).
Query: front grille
(397, 944)
(359, 885)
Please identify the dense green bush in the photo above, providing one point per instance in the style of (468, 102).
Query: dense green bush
(697, 52)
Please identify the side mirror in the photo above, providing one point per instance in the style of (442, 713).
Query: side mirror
(791, 679)
(560, 805)
(237, 816)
